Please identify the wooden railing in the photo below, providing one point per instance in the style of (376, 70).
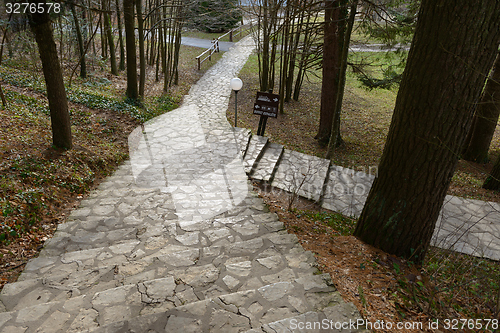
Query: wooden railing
(214, 48)
(215, 44)
(232, 33)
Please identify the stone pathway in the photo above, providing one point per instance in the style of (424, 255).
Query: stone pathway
(465, 225)
(177, 241)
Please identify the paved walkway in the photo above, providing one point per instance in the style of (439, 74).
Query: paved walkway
(176, 241)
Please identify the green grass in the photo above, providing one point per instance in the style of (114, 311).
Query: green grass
(343, 225)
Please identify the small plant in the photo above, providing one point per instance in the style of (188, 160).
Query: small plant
(362, 296)
(341, 224)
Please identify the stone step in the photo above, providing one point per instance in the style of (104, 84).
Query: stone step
(346, 190)
(228, 259)
(173, 296)
(83, 232)
(158, 240)
(242, 311)
(255, 149)
(90, 311)
(330, 319)
(242, 136)
(302, 174)
(266, 165)
(213, 275)
(120, 203)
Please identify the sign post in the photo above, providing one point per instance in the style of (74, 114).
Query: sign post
(266, 105)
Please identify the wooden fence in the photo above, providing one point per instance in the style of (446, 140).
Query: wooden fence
(215, 44)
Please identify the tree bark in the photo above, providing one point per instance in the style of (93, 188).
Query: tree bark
(81, 47)
(345, 38)
(492, 182)
(486, 119)
(331, 60)
(56, 94)
(120, 36)
(111, 43)
(104, 41)
(454, 46)
(142, 60)
(264, 57)
(128, 11)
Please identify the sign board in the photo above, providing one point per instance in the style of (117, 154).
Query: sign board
(266, 104)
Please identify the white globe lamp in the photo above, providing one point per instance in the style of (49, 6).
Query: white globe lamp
(236, 84)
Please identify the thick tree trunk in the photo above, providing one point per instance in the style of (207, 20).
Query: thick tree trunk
(345, 38)
(56, 94)
(454, 46)
(331, 60)
(128, 11)
(486, 119)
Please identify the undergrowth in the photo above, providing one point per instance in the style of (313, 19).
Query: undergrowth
(448, 285)
(94, 93)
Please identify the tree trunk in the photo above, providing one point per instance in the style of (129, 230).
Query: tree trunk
(345, 37)
(128, 11)
(307, 46)
(454, 46)
(285, 58)
(331, 60)
(121, 66)
(2, 96)
(5, 39)
(142, 60)
(486, 119)
(493, 180)
(264, 57)
(104, 41)
(111, 43)
(81, 47)
(56, 94)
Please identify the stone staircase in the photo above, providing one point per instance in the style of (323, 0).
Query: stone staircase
(333, 187)
(126, 262)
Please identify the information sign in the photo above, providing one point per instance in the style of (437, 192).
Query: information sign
(266, 104)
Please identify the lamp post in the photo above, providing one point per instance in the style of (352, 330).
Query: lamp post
(236, 85)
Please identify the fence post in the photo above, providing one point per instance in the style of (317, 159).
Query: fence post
(231, 35)
(199, 63)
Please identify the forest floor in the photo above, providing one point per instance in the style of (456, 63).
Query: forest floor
(41, 185)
